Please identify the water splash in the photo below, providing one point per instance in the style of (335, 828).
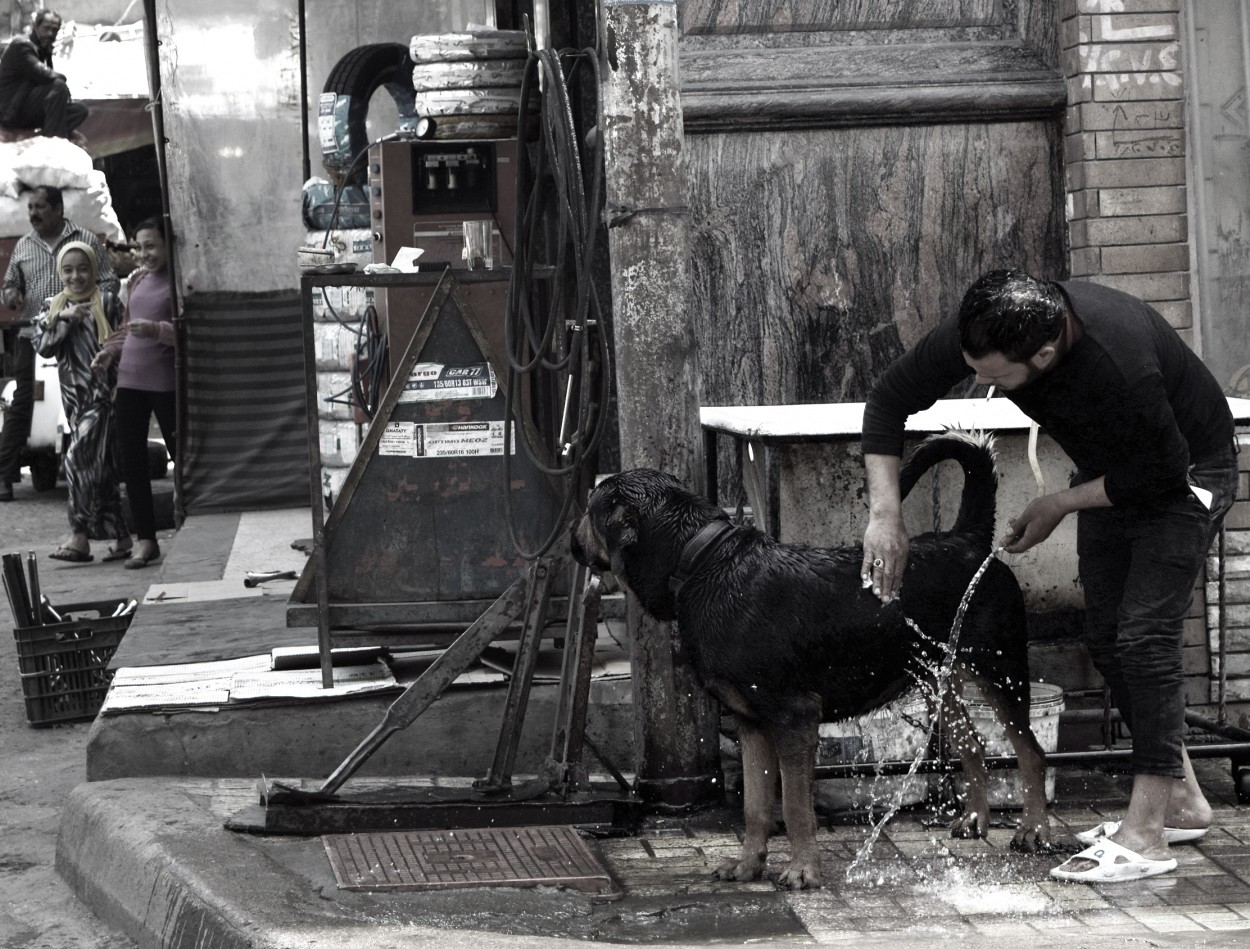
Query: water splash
(938, 687)
(970, 894)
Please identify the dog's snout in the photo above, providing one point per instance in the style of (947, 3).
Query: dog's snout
(586, 547)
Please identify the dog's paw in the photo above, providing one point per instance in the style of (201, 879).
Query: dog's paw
(1032, 840)
(969, 826)
(800, 876)
(744, 870)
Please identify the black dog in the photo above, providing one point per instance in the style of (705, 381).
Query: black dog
(786, 636)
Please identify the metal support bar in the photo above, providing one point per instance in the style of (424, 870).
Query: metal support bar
(541, 575)
(430, 684)
(1002, 762)
(1223, 729)
(569, 736)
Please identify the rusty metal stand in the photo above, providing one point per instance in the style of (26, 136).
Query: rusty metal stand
(539, 580)
(560, 795)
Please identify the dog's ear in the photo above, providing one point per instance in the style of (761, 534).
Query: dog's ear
(621, 527)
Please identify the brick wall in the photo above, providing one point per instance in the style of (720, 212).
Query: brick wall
(1128, 228)
(1125, 151)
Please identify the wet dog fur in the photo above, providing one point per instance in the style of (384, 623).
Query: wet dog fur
(786, 637)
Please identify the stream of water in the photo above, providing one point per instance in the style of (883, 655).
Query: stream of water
(939, 685)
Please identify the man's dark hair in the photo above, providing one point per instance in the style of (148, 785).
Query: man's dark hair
(47, 15)
(52, 194)
(1010, 312)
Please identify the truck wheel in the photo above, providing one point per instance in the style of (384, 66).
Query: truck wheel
(43, 471)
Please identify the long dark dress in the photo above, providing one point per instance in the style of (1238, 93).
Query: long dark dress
(95, 502)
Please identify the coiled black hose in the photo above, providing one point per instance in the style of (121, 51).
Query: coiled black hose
(559, 211)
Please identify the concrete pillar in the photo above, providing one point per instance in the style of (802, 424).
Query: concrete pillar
(657, 377)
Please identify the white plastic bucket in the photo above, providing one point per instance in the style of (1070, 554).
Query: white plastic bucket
(1045, 704)
(898, 732)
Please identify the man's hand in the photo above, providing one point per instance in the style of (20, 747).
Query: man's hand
(885, 540)
(885, 556)
(13, 298)
(101, 361)
(1037, 522)
(1042, 515)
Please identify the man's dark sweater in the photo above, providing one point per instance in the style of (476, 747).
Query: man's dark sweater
(23, 66)
(1129, 401)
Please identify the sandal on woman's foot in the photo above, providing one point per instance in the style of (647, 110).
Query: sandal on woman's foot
(117, 554)
(138, 561)
(71, 555)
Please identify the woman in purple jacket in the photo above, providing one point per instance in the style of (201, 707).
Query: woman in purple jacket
(143, 348)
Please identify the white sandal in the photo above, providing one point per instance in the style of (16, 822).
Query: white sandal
(1115, 864)
(1173, 835)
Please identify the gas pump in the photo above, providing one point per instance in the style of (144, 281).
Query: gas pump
(420, 195)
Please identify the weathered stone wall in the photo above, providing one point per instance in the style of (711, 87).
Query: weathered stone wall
(852, 168)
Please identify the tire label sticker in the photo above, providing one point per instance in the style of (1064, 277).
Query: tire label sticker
(325, 123)
(443, 439)
(435, 382)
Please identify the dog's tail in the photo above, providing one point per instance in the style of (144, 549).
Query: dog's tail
(975, 453)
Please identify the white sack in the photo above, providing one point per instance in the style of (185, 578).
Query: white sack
(10, 187)
(14, 221)
(92, 209)
(46, 160)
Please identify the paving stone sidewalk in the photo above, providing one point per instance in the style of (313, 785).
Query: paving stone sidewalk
(918, 884)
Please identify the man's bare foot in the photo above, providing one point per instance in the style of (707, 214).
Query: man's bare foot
(1150, 846)
(1187, 806)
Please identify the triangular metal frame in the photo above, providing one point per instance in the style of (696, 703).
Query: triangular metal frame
(448, 288)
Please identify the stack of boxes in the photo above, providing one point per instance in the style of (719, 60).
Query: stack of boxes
(335, 342)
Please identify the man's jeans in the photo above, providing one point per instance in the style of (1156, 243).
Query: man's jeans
(1138, 565)
(50, 108)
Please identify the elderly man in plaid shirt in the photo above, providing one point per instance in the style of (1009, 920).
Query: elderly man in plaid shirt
(30, 279)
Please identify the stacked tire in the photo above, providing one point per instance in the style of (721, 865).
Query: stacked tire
(468, 85)
(349, 88)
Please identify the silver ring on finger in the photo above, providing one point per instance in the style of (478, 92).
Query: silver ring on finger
(878, 562)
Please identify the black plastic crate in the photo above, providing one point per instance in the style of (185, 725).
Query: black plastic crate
(64, 666)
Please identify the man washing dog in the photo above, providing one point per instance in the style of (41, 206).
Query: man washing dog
(785, 637)
(1151, 435)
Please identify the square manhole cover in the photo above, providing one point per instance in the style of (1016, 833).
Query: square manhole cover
(452, 859)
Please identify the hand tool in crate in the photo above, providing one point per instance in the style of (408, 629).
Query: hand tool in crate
(63, 651)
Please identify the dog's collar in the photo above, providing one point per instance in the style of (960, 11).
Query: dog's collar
(708, 537)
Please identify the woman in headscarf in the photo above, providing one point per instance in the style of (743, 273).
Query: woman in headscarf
(72, 327)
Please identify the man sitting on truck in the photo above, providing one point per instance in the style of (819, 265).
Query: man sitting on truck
(32, 94)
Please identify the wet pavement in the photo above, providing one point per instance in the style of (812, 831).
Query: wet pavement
(152, 857)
